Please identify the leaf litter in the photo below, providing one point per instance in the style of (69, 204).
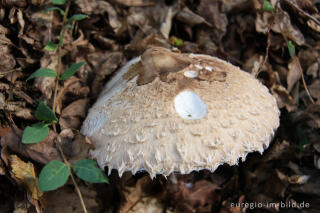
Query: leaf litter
(116, 31)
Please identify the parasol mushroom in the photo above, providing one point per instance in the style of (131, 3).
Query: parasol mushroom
(169, 112)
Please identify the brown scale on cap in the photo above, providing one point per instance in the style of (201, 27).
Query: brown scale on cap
(166, 112)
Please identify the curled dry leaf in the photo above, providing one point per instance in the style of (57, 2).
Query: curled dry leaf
(24, 174)
(73, 114)
(282, 24)
(187, 16)
(42, 152)
(314, 89)
(137, 200)
(152, 19)
(74, 145)
(312, 115)
(188, 199)
(136, 3)
(229, 5)
(283, 98)
(7, 62)
(313, 69)
(293, 75)
(71, 86)
(210, 11)
(104, 65)
(101, 7)
(138, 46)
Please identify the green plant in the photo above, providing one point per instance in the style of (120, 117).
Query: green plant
(267, 6)
(56, 173)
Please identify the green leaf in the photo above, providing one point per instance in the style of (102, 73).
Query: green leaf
(71, 70)
(267, 6)
(291, 48)
(53, 175)
(177, 42)
(44, 113)
(77, 17)
(35, 133)
(58, 2)
(67, 26)
(54, 8)
(51, 46)
(87, 170)
(43, 72)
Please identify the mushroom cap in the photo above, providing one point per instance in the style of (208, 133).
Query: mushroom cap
(168, 112)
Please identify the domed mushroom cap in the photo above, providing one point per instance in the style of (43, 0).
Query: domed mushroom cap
(166, 112)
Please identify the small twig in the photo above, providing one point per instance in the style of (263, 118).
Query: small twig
(267, 50)
(268, 40)
(303, 12)
(59, 66)
(72, 176)
(303, 81)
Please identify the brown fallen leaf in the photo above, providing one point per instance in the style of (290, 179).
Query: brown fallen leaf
(71, 86)
(312, 115)
(293, 75)
(282, 24)
(210, 11)
(138, 199)
(42, 152)
(104, 65)
(313, 70)
(283, 98)
(25, 174)
(192, 19)
(136, 3)
(155, 19)
(72, 115)
(137, 47)
(189, 197)
(74, 145)
(7, 62)
(66, 200)
(314, 89)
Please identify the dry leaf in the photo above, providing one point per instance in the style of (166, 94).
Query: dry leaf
(190, 18)
(283, 98)
(7, 62)
(66, 200)
(313, 69)
(75, 147)
(282, 24)
(314, 89)
(25, 175)
(210, 11)
(294, 74)
(73, 114)
(71, 86)
(136, 3)
(42, 152)
(190, 197)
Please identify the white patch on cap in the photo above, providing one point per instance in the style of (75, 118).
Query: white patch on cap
(190, 74)
(189, 105)
(198, 66)
(209, 68)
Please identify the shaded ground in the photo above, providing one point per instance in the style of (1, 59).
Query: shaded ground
(238, 31)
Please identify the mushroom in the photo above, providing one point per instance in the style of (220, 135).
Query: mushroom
(169, 112)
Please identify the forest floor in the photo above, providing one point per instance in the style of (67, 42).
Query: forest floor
(251, 34)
